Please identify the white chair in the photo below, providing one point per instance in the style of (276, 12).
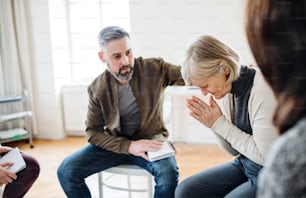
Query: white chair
(127, 170)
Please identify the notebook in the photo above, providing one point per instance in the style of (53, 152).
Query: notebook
(167, 150)
(15, 157)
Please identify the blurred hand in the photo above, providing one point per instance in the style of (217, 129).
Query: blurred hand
(203, 112)
(4, 149)
(6, 177)
(141, 147)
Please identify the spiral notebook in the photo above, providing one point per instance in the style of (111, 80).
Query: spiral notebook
(15, 157)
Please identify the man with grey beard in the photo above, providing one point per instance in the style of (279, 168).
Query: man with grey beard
(124, 119)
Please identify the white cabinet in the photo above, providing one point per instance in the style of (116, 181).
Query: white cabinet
(183, 127)
(15, 119)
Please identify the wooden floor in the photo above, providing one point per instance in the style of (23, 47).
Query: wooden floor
(191, 159)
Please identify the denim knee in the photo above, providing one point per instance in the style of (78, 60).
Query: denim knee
(64, 171)
(166, 177)
(166, 172)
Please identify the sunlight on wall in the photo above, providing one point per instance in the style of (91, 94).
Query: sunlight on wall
(75, 25)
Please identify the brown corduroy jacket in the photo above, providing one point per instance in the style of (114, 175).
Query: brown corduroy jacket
(150, 78)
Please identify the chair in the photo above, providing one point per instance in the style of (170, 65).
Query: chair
(127, 170)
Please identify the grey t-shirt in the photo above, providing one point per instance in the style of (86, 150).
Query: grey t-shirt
(284, 174)
(128, 109)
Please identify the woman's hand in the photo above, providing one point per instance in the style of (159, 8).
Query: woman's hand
(203, 112)
(4, 149)
(6, 177)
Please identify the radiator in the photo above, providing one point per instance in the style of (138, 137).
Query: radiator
(75, 103)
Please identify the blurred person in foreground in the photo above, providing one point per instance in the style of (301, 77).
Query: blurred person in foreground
(18, 184)
(124, 119)
(276, 31)
(242, 124)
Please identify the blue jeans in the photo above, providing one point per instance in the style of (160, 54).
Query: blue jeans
(91, 159)
(236, 179)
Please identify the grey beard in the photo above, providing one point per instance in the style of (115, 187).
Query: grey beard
(125, 77)
(122, 78)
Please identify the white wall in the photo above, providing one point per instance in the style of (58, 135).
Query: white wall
(159, 28)
(166, 28)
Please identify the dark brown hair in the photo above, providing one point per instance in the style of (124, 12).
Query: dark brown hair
(276, 31)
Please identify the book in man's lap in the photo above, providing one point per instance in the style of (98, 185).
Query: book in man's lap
(166, 150)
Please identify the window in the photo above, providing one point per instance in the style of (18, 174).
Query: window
(75, 25)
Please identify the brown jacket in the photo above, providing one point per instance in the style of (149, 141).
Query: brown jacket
(150, 78)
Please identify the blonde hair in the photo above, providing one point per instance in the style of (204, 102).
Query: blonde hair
(206, 57)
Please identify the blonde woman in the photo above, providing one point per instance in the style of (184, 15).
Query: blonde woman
(243, 124)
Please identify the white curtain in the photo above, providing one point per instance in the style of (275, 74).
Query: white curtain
(16, 50)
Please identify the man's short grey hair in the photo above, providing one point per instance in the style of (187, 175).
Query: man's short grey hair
(110, 33)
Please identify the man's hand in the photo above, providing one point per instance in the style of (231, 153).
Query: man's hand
(6, 176)
(141, 147)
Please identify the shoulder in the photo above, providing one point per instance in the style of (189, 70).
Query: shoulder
(158, 62)
(288, 150)
(153, 66)
(292, 145)
(100, 83)
(98, 80)
(260, 85)
(285, 165)
(262, 102)
(261, 90)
